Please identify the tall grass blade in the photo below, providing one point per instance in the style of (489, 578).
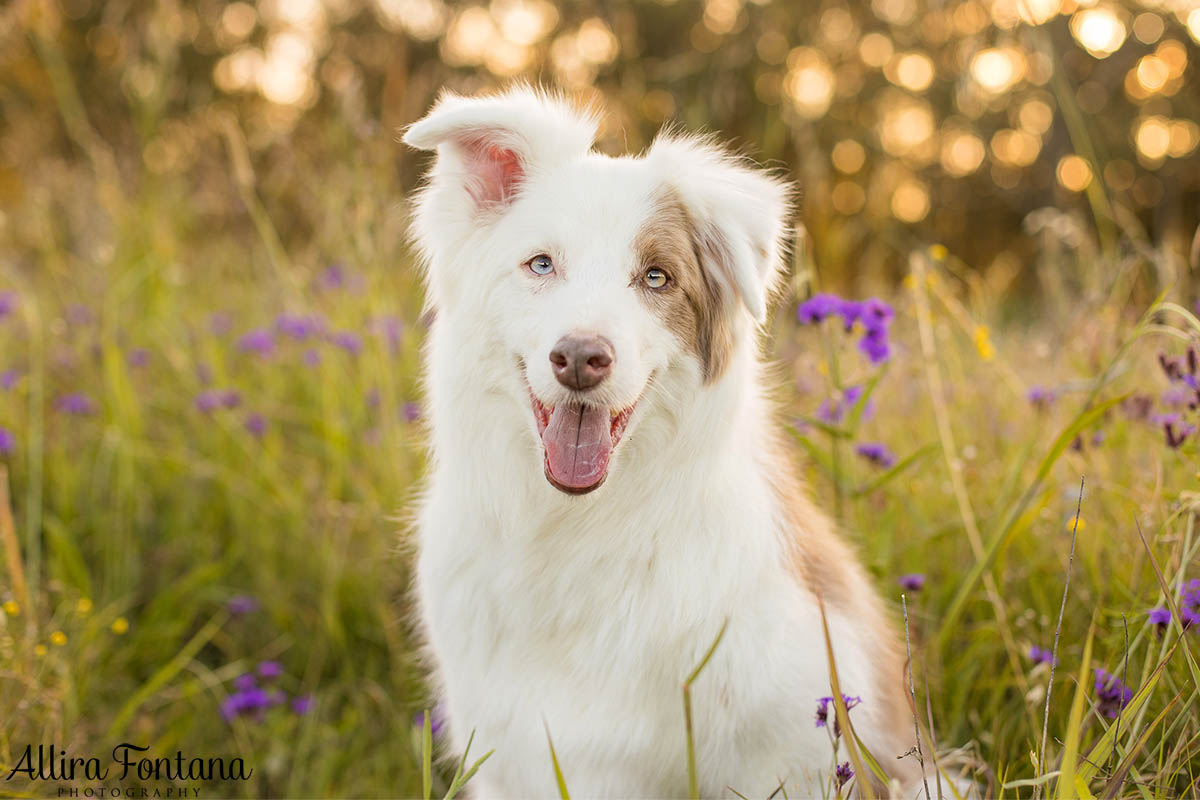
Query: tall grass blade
(1066, 788)
(866, 789)
(558, 773)
(693, 783)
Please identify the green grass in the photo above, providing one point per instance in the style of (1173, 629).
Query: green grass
(156, 513)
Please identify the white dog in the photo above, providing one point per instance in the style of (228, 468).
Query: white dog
(607, 484)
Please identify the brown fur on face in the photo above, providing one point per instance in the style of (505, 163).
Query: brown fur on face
(693, 305)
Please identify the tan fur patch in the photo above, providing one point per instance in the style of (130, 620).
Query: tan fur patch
(693, 305)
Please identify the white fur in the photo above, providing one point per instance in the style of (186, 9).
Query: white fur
(582, 615)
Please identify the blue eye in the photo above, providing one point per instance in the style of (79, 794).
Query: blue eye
(541, 265)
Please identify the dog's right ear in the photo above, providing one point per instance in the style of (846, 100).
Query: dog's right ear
(488, 146)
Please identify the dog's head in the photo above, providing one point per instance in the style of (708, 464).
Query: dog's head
(592, 275)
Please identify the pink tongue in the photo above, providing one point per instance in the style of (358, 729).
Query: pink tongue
(578, 442)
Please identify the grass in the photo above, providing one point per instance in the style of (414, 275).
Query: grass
(133, 526)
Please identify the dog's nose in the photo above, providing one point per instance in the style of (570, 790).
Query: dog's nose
(581, 361)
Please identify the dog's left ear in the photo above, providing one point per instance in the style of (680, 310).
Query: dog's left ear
(738, 212)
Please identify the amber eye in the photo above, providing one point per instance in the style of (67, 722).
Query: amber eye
(656, 278)
(540, 265)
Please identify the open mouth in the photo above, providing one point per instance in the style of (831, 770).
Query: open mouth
(577, 442)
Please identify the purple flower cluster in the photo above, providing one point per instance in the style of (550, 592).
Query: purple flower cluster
(300, 326)
(833, 410)
(76, 403)
(823, 711)
(211, 399)
(249, 699)
(1160, 618)
(8, 379)
(8, 303)
(1111, 694)
(874, 315)
(1184, 394)
(843, 774)
(8, 442)
(913, 582)
(1040, 397)
(260, 342)
(1042, 655)
(877, 454)
(242, 604)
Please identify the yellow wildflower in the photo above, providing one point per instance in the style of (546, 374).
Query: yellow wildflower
(983, 343)
(120, 625)
(84, 606)
(58, 638)
(12, 608)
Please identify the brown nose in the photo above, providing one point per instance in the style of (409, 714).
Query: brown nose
(581, 361)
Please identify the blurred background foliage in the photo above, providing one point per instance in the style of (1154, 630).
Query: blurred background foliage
(904, 120)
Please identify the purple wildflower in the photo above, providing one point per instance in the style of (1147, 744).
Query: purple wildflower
(302, 704)
(834, 409)
(258, 341)
(242, 703)
(269, 670)
(212, 399)
(256, 425)
(8, 379)
(241, 604)
(875, 346)
(76, 403)
(913, 582)
(8, 441)
(437, 720)
(1175, 397)
(334, 276)
(1111, 694)
(299, 326)
(1041, 655)
(876, 313)
(1176, 431)
(843, 774)
(138, 357)
(8, 302)
(412, 411)
(818, 308)
(876, 453)
(1160, 618)
(347, 340)
(1189, 604)
(245, 682)
(1040, 397)
(373, 397)
(311, 358)
(823, 711)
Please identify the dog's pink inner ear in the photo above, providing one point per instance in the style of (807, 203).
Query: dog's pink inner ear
(494, 171)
